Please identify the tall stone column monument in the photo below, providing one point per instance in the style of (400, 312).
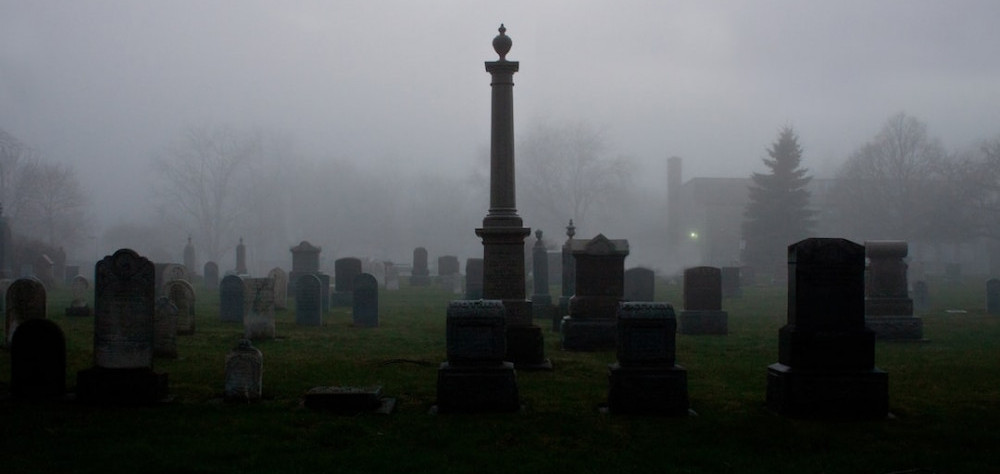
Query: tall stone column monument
(503, 231)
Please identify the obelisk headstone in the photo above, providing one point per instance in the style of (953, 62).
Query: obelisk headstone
(503, 232)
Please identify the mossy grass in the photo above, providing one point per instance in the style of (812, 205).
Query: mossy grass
(944, 394)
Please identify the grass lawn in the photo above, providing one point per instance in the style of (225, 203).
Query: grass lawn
(945, 395)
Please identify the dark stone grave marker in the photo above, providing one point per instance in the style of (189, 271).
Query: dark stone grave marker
(365, 304)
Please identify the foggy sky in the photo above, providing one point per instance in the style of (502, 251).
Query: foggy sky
(399, 85)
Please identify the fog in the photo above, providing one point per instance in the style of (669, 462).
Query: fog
(375, 115)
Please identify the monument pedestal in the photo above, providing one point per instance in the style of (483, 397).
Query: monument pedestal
(477, 389)
(120, 386)
(703, 322)
(841, 394)
(647, 390)
(581, 334)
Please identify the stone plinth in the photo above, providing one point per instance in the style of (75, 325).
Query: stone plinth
(826, 354)
(888, 307)
(475, 378)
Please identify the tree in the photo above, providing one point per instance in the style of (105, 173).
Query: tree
(778, 212)
(976, 182)
(55, 205)
(204, 176)
(567, 172)
(892, 186)
(42, 200)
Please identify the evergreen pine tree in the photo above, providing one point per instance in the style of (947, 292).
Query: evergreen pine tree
(778, 213)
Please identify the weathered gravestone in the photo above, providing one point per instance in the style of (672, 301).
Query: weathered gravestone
(280, 287)
(80, 287)
(258, 321)
(124, 291)
(25, 300)
(731, 282)
(600, 273)
(640, 285)
(888, 307)
(308, 301)
(646, 379)
(419, 274)
(921, 296)
(826, 354)
(324, 294)
(211, 275)
(38, 360)
(475, 377)
(993, 296)
(181, 294)
(344, 273)
(365, 301)
(473, 278)
(244, 373)
(541, 300)
(232, 304)
(703, 302)
(173, 272)
(165, 328)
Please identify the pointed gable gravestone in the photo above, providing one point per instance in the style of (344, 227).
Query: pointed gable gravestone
(211, 275)
(79, 307)
(181, 294)
(703, 312)
(475, 377)
(244, 373)
(232, 303)
(38, 360)
(365, 301)
(25, 300)
(308, 303)
(888, 307)
(600, 272)
(826, 354)
(258, 321)
(280, 287)
(646, 380)
(165, 329)
(123, 333)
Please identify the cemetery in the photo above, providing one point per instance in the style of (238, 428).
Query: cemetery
(838, 366)
(943, 398)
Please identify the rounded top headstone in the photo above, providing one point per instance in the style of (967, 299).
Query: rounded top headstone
(502, 43)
